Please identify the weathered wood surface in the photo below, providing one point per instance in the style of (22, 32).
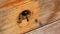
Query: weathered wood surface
(50, 13)
(53, 28)
(9, 12)
(46, 11)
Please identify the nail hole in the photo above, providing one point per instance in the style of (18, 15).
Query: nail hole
(36, 20)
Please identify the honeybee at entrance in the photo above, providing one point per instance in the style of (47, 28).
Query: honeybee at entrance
(24, 15)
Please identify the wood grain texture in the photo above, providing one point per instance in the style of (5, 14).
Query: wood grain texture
(45, 11)
(50, 13)
(9, 17)
(10, 3)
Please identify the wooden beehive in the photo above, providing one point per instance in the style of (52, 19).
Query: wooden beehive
(10, 11)
(40, 13)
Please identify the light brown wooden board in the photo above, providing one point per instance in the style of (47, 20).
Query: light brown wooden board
(43, 11)
(9, 15)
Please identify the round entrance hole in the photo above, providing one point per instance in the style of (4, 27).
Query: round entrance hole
(23, 15)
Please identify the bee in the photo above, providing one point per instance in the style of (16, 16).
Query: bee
(24, 15)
